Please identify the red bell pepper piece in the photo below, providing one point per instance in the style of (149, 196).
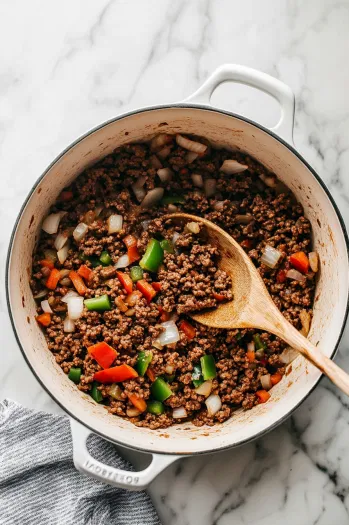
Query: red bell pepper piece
(53, 279)
(132, 250)
(300, 262)
(146, 289)
(126, 281)
(188, 329)
(103, 353)
(275, 378)
(281, 276)
(47, 263)
(138, 402)
(164, 316)
(156, 286)
(78, 282)
(247, 244)
(66, 196)
(85, 272)
(263, 396)
(44, 319)
(150, 373)
(115, 374)
(219, 297)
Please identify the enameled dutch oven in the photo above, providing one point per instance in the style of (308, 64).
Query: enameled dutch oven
(274, 149)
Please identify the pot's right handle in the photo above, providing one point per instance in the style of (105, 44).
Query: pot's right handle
(254, 78)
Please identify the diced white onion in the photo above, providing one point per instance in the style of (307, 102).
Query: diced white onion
(80, 231)
(305, 320)
(159, 141)
(68, 325)
(197, 180)
(164, 152)
(313, 261)
(169, 369)
(218, 205)
(157, 345)
(51, 223)
(295, 275)
(140, 193)
(175, 237)
(266, 382)
(68, 295)
(172, 208)
(179, 413)
(251, 346)
(268, 180)
(233, 166)
(133, 412)
(98, 210)
(114, 223)
(41, 294)
(270, 256)
(205, 388)
(123, 261)
(145, 225)
(191, 145)
(288, 355)
(46, 307)
(62, 254)
(75, 307)
(60, 240)
(210, 187)
(165, 174)
(193, 227)
(170, 334)
(155, 163)
(213, 404)
(152, 197)
(115, 392)
(191, 156)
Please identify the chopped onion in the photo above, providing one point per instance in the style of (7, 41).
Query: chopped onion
(51, 223)
(197, 180)
(250, 346)
(130, 312)
(75, 307)
(288, 355)
(159, 141)
(114, 223)
(170, 334)
(193, 227)
(65, 281)
(172, 208)
(295, 275)
(169, 369)
(41, 294)
(115, 392)
(268, 180)
(60, 240)
(314, 261)
(233, 166)
(68, 325)
(46, 307)
(133, 412)
(133, 297)
(64, 272)
(266, 382)
(243, 219)
(155, 163)
(80, 231)
(179, 413)
(210, 187)
(156, 344)
(145, 225)
(218, 205)
(62, 254)
(305, 320)
(270, 256)
(205, 388)
(165, 174)
(164, 152)
(51, 254)
(152, 197)
(68, 295)
(191, 145)
(140, 193)
(191, 156)
(98, 210)
(213, 404)
(175, 237)
(123, 261)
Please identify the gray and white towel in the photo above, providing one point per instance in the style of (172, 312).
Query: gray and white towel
(39, 484)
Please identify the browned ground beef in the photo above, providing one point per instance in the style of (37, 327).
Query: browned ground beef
(254, 213)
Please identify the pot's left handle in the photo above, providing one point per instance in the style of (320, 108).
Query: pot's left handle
(124, 479)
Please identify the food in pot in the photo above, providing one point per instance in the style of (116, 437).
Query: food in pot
(115, 282)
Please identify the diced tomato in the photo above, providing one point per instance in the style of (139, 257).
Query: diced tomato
(53, 279)
(164, 316)
(275, 378)
(47, 263)
(132, 250)
(263, 361)
(115, 374)
(44, 319)
(247, 244)
(133, 297)
(263, 396)
(66, 196)
(126, 281)
(85, 272)
(121, 305)
(78, 282)
(103, 353)
(150, 374)
(251, 355)
(156, 286)
(300, 262)
(218, 296)
(138, 402)
(188, 329)
(281, 276)
(146, 289)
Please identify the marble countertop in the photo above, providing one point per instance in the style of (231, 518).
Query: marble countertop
(67, 66)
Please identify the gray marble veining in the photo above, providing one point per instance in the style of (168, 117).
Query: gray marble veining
(67, 66)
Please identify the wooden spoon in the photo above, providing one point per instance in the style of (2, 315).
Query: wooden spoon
(252, 306)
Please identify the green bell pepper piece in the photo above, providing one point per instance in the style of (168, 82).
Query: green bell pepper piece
(105, 258)
(155, 407)
(197, 376)
(167, 246)
(208, 367)
(95, 393)
(136, 273)
(172, 199)
(74, 375)
(98, 304)
(153, 257)
(143, 361)
(260, 345)
(160, 390)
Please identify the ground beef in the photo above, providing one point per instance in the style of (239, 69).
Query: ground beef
(252, 206)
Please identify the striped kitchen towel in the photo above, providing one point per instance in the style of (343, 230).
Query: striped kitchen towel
(39, 484)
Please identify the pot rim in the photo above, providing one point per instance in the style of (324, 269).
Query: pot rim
(182, 105)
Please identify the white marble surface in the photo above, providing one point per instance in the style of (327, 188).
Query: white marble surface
(67, 66)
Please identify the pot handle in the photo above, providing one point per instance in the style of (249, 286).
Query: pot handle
(124, 479)
(253, 78)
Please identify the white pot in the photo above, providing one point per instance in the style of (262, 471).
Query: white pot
(274, 149)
